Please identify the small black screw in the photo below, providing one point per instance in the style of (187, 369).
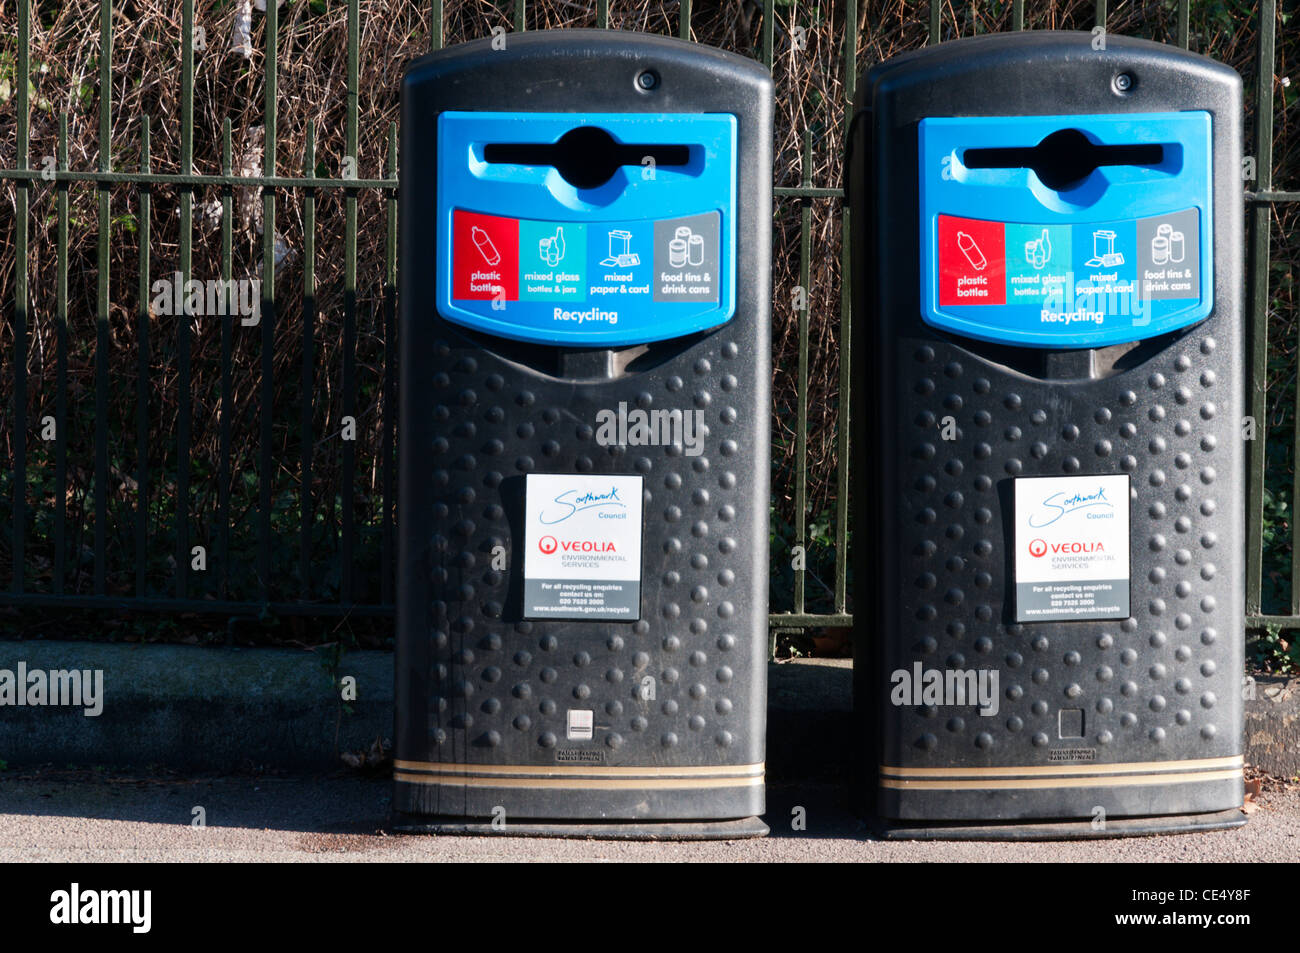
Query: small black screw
(647, 80)
(1123, 82)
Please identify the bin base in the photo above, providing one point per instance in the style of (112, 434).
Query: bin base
(736, 829)
(1079, 829)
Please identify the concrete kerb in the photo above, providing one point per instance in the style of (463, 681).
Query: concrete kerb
(227, 709)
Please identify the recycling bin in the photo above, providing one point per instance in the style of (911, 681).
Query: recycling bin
(1047, 239)
(585, 368)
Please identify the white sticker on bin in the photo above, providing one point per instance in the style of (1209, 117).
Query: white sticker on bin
(581, 724)
(1072, 548)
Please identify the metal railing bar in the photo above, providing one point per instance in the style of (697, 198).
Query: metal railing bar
(142, 376)
(808, 620)
(768, 32)
(196, 180)
(184, 407)
(265, 469)
(61, 367)
(1270, 197)
(102, 340)
(387, 564)
(307, 402)
(843, 423)
(21, 305)
(801, 380)
(806, 192)
(348, 475)
(197, 606)
(227, 371)
(1257, 280)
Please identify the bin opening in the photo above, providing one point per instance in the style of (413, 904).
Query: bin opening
(586, 157)
(1064, 158)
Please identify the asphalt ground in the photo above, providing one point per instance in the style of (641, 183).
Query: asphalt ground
(49, 815)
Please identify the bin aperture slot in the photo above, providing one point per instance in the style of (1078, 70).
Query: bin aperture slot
(586, 157)
(1064, 158)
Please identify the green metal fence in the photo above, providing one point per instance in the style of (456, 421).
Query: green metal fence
(38, 186)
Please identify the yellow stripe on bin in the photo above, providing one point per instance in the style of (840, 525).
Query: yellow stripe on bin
(589, 783)
(1064, 769)
(1093, 781)
(443, 769)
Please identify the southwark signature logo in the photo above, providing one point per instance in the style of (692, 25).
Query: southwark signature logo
(1061, 504)
(571, 502)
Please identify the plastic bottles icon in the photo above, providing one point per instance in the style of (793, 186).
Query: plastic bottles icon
(484, 245)
(971, 251)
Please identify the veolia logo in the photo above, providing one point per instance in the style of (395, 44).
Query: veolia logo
(1074, 546)
(549, 544)
(1037, 547)
(587, 546)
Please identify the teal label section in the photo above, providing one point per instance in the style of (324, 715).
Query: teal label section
(1038, 262)
(552, 261)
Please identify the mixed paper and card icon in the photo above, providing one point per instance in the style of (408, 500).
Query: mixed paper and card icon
(1104, 254)
(620, 250)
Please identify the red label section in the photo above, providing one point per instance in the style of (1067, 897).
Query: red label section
(972, 262)
(485, 257)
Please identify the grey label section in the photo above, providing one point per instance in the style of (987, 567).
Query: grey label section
(582, 599)
(686, 258)
(1086, 599)
(1169, 255)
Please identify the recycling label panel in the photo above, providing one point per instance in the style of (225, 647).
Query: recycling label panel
(1071, 277)
(606, 269)
(582, 547)
(1122, 253)
(1072, 548)
(524, 253)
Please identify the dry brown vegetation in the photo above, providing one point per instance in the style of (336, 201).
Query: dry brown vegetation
(65, 47)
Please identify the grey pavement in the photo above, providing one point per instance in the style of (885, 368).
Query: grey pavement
(50, 815)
